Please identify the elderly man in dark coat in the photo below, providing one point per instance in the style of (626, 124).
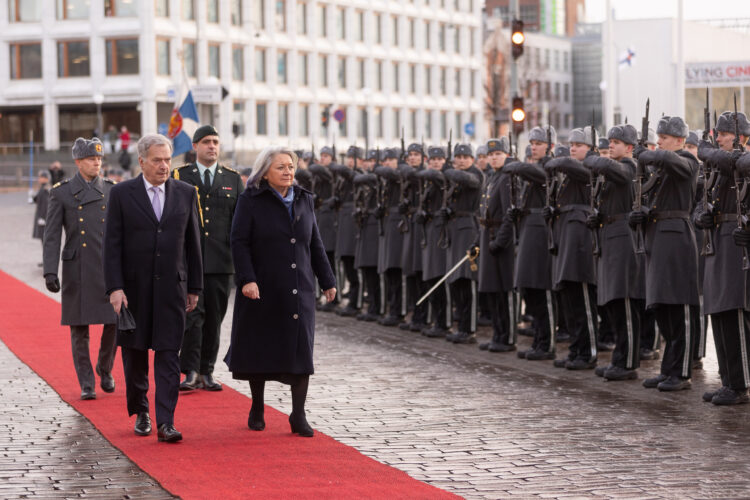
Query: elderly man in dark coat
(79, 205)
(278, 254)
(153, 266)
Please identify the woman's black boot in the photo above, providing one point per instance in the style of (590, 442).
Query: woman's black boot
(255, 419)
(297, 419)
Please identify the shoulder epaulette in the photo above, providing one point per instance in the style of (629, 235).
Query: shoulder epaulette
(109, 180)
(64, 181)
(230, 169)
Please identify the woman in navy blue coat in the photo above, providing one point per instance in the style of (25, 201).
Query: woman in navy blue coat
(277, 254)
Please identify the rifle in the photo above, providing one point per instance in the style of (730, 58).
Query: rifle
(312, 152)
(740, 187)
(333, 147)
(596, 185)
(640, 247)
(449, 153)
(513, 190)
(402, 159)
(551, 187)
(708, 235)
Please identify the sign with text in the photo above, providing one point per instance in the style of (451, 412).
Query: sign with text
(719, 73)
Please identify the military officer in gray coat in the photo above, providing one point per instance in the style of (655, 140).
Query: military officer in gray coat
(621, 292)
(366, 239)
(725, 281)
(325, 209)
(79, 205)
(671, 253)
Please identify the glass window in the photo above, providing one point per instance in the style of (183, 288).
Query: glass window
(397, 119)
(457, 74)
(235, 12)
(557, 91)
(261, 120)
(428, 124)
(213, 60)
(71, 9)
(360, 26)
(302, 70)
(456, 40)
(472, 50)
(188, 10)
(342, 124)
(340, 24)
(556, 59)
(546, 58)
(565, 61)
(304, 120)
(379, 123)
(342, 72)
(396, 77)
(413, 122)
(259, 13)
(442, 81)
(379, 74)
(458, 128)
(280, 15)
(473, 82)
(260, 65)
(427, 34)
(547, 96)
(395, 31)
(281, 73)
(238, 63)
(283, 119)
(122, 56)
(362, 122)
(238, 118)
(323, 71)
(566, 92)
(412, 36)
(322, 15)
(162, 56)
(162, 8)
(361, 73)
(189, 56)
(302, 18)
(378, 29)
(120, 8)
(25, 11)
(212, 11)
(443, 125)
(73, 58)
(428, 80)
(441, 38)
(412, 78)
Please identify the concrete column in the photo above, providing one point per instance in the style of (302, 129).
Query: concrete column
(51, 126)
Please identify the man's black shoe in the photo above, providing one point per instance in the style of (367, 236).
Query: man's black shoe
(209, 383)
(653, 382)
(367, 317)
(560, 362)
(168, 434)
(192, 381)
(403, 326)
(390, 321)
(107, 382)
(417, 327)
(522, 354)
(539, 355)
(484, 346)
(697, 364)
(526, 332)
(435, 332)
(619, 373)
(581, 364)
(526, 318)
(709, 395)
(730, 397)
(501, 347)
(649, 354)
(605, 346)
(255, 420)
(562, 336)
(143, 424)
(599, 372)
(673, 383)
(347, 312)
(88, 394)
(484, 321)
(464, 338)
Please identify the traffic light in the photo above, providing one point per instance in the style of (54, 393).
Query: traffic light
(325, 117)
(518, 115)
(517, 38)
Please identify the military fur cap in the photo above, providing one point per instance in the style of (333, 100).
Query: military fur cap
(625, 133)
(692, 138)
(414, 147)
(651, 139)
(44, 174)
(527, 153)
(498, 145)
(204, 131)
(482, 151)
(581, 136)
(463, 150)
(561, 151)
(84, 148)
(540, 134)
(325, 150)
(435, 152)
(725, 123)
(354, 151)
(603, 143)
(307, 156)
(372, 155)
(672, 125)
(390, 153)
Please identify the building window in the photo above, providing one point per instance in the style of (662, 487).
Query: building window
(213, 60)
(441, 37)
(259, 13)
(538, 57)
(396, 77)
(70, 9)
(457, 74)
(397, 119)
(189, 57)
(25, 60)
(360, 26)
(122, 56)
(304, 120)
(280, 16)
(379, 74)
(472, 83)
(340, 24)
(395, 31)
(238, 118)
(557, 91)
(324, 126)
(323, 71)
(188, 10)
(162, 56)
(322, 15)
(472, 50)
(235, 12)
(73, 58)
(25, 11)
(260, 65)
(302, 70)
(565, 61)
(342, 72)
(238, 63)
(379, 124)
(444, 126)
(302, 18)
(566, 92)
(281, 73)
(162, 8)
(412, 79)
(283, 119)
(442, 81)
(456, 40)
(428, 80)
(459, 129)
(547, 92)
(378, 29)
(261, 119)
(427, 124)
(342, 124)
(362, 122)
(212, 11)
(361, 73)
(412, 35)
(413, 122)
(546, 58)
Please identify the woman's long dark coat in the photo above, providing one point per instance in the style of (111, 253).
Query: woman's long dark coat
(283, 255)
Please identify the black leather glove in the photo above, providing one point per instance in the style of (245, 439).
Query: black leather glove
(379, 212)
(445, 213)
(495, 247)
(637, 150)
(335, 202)
(706, 144)
(515, 214)
(545, 160)
(636, 218)
(420, 217)
(741, 237)
(52, 283)
(548, 213)
(592, 152)
(736, 155)
(474, 252)
(593, 221)
(317, 202)
(403, 207)
(706, 220)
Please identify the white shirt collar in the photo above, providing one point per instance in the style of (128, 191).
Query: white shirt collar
(203, 168)
(160, 187)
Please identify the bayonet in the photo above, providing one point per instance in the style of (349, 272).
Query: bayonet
(740, 186)
(640, 247)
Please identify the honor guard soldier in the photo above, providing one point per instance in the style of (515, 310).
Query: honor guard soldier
(302, 175)
(79, 205)
(366, 244)
(533, 268)
(411, 259)
(461, 209)
(325, 210)
(391, 240)
(218, 187)
(573, 274)
(497, 249)
(725, 280)
(603, 147)
(429, 225)
(699, 318)
(691, 144)
(671, 254)
(482, 161)
(346, 227)
(621, 290)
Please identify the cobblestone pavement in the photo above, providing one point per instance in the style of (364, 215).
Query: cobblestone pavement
(478, 424)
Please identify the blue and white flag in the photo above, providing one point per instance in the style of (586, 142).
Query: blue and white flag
(627, 60)
(184, 122)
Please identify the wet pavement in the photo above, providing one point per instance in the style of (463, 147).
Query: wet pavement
(479, 424)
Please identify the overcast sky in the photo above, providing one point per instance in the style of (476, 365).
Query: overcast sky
(693, 9)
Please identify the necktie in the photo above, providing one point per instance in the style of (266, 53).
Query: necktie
(155, 203)
(207, 179)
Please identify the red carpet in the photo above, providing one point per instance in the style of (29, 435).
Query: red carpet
(219, 457)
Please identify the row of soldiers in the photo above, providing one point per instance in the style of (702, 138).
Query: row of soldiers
(589, 238)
